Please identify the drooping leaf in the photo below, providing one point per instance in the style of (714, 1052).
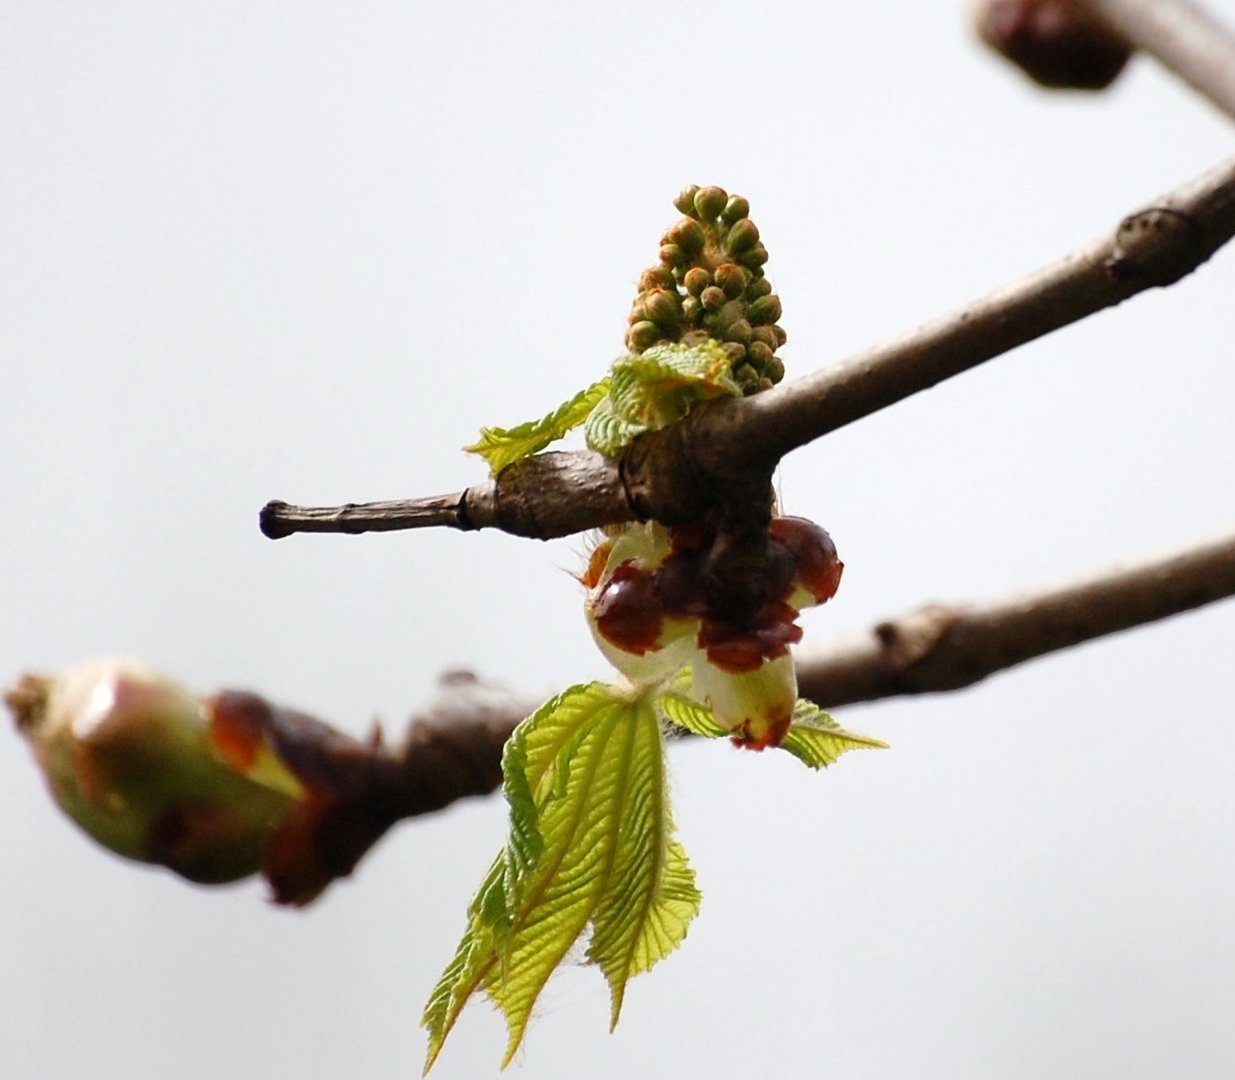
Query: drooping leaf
(590, 843)
(817, 740)
(504, 446)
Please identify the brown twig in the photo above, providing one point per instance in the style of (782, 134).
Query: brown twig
(1183, 38)
(670, 475)
(936, 649)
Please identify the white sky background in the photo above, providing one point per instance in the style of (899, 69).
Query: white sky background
(305, 250)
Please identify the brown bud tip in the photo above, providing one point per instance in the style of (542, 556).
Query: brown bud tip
(1059, 44)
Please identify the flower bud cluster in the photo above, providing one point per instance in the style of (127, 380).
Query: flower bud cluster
(652, 613)
(710, 284)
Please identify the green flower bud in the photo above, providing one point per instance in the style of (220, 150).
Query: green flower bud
(656, 277)
(747, 378)
(757, 288)
(688, 235)
(691, 309)
(663, 307)
(754, 257)
(696, 280)
(732, 279)
(735, 352)
(759, 355)
(641, 336)
(766, 309)
(671, 255)
(735, 209)
(774, 370)
(685, 202)
(712, 298)
(709, 202)
(741, 237)
(738, 331)
(766, 335)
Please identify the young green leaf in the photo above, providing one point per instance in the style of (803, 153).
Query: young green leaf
(676, 707)
(814, 738)
(817, 740)
(504, 446)
(590, 843)
(657, 388)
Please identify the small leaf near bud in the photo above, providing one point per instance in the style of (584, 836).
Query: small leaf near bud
(709, 202)
(735, 209)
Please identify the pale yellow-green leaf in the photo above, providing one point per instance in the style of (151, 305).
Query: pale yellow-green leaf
(818, 740)
(607, 433)
(657, 388)
(590, 842)
(504, 446)
(689, 714)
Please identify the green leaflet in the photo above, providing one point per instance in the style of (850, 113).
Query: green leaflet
(504, 446)
(657, 388)
(818, 740)
(642, 393)
(813, 737)
(590, 844)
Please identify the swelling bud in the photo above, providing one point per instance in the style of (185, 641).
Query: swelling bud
(129, 756)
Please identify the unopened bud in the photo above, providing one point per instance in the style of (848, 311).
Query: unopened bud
(1061, 44)
(709, 202)
(128, 755)
(743, 235)
(735, 209)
